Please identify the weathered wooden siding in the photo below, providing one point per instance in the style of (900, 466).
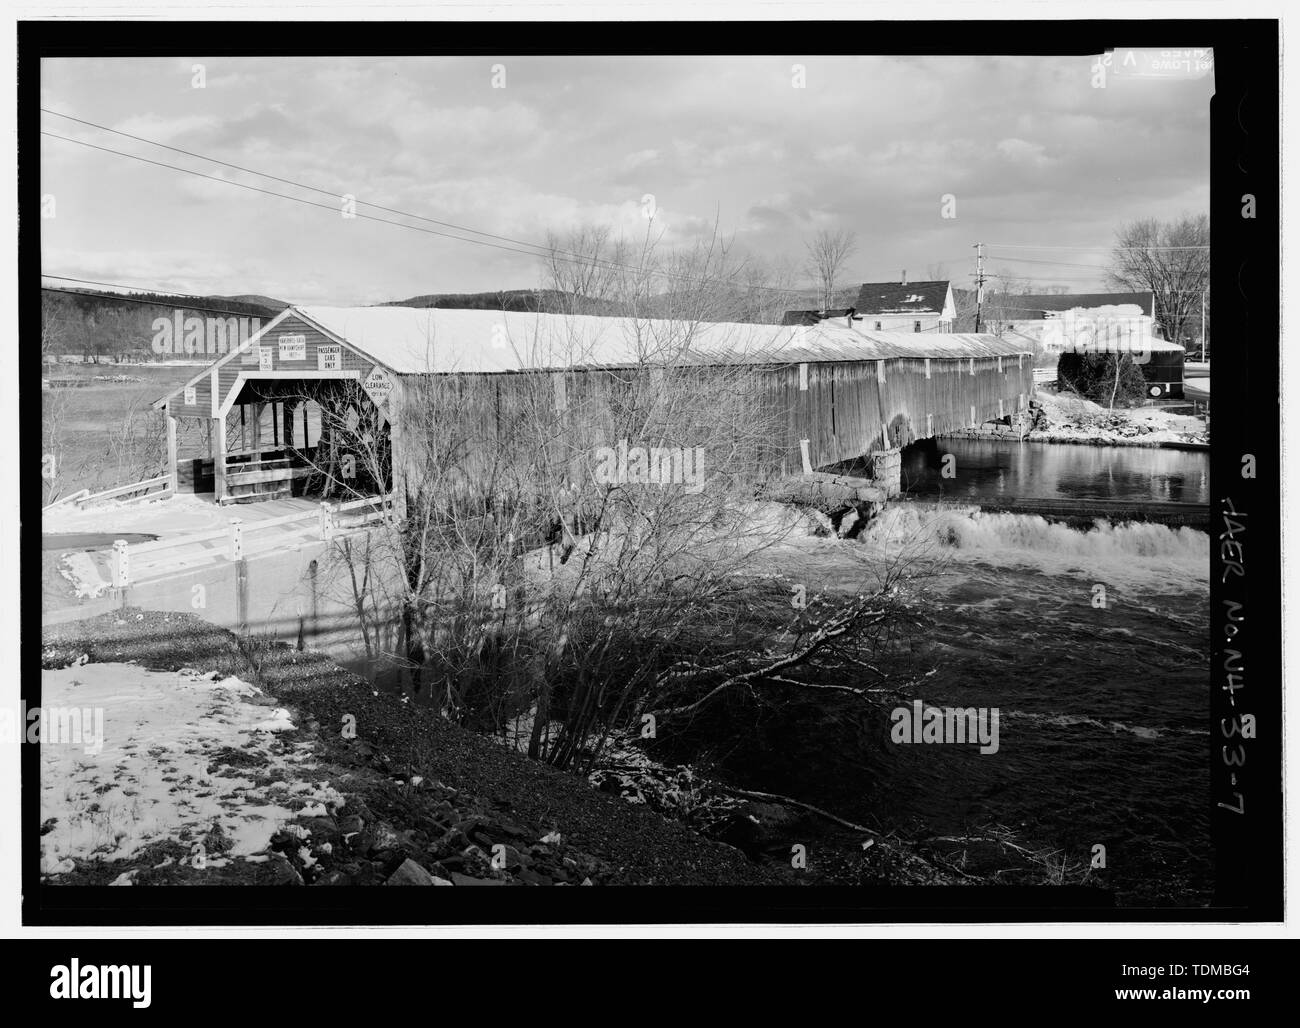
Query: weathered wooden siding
(845, 411)
(250, 361)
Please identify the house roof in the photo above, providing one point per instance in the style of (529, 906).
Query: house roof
(1012, 307)
(1027, 306)
(896, 298)
(443, 341)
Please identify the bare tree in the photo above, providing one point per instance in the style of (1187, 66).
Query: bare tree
(767, 290)
(827, 252)
(583, 266)
(1170, 259)
(579, 549)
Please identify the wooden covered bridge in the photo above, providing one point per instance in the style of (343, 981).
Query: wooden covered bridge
(268, 419)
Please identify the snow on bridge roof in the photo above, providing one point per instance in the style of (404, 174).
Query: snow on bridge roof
(411, 340)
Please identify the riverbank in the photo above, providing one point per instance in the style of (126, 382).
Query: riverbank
(407, 786)
(1071, 419)
(237, 762)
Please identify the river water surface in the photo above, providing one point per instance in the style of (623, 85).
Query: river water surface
(991, 469)
(1093, 646)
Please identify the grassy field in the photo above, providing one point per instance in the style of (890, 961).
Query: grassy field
(104, 433)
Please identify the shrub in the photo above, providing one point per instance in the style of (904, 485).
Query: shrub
(1093, 376)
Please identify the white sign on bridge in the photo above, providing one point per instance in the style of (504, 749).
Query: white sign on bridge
(329, 358)
(293, 348)
(379, 385)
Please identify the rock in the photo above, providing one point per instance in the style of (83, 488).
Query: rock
(350, 824)
(411, 873)
(820, 524)
(846, 523)
(362, 842)
(386, 843)
(363, 873)
(443, 811)
(323, 829)
(474, 860)
(357, 807)
(531, 877)
(333, 878)
(459, 879)
(448, 844)
(510, 830)
(513, 858)
(284, 873)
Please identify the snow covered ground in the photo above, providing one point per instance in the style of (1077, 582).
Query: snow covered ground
(1073, 419)
(177, 515)
(184, 756)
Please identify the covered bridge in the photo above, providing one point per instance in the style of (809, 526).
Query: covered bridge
(254, 422)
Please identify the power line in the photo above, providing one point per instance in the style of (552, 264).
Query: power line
(1028, 246)
(304, 185)
(538, 250)
(135, 299)
(545, 250)
(1039, 260)
(119, 285)
(284, 196)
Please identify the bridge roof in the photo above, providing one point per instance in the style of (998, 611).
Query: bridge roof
(410, 340)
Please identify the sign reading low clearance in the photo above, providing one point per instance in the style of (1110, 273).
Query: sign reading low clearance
(379, 385)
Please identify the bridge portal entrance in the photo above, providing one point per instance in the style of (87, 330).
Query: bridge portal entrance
(319, 438)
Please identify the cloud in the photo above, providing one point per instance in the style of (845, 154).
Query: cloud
(1022, 151)
(1032, 152)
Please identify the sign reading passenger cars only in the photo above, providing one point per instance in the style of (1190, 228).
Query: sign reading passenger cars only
(329, 358)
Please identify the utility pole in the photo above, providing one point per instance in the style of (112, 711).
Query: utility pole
(979, 284)
(1204, 296)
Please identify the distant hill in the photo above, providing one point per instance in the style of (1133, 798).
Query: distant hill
(90, 301)
(810, 299)
(544, 301)
(256, 299)
(102, 324)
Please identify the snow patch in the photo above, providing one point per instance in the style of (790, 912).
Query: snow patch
(80, 569)
(151, 782)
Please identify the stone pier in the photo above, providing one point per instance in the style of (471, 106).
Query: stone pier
(887, 471)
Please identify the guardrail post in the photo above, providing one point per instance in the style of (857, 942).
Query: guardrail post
(326, 521)
(121, 565)
(236, 539)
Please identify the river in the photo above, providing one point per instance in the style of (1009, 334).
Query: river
(989, 469)
(1103, 696)
(1092, 645)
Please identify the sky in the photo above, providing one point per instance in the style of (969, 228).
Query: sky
(1029, 155)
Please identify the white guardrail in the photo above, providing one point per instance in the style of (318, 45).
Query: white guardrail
(83, 497)
(379, 508)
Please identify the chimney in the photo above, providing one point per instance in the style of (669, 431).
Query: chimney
(848, 316)
(904, 276)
